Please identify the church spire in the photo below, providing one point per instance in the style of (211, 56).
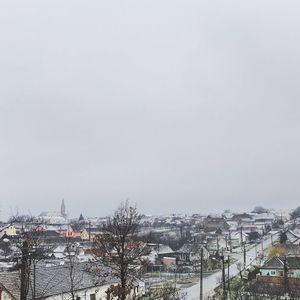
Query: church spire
(63, 208)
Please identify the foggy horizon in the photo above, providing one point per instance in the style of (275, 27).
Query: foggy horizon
(179, 107)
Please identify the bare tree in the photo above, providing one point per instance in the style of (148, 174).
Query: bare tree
(24, 271)
(120, 249)
(28, 222)
(30, 251)
(260, 210)
(295, 213)
(283, 237)
(23, 219)
(277, 250)
(75, 275)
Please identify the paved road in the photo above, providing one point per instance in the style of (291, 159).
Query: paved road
(212, 281)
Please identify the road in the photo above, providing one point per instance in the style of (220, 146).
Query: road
(212, 281)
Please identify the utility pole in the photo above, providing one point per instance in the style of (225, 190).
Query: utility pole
(230, 246)
(285, 275)
(272, 239)
(34, 279)
(241, 235)
(255, 250)
(228, 276)
(262, 249)
(176, 276)
(201, 273)
(223, 277)
(244, 255)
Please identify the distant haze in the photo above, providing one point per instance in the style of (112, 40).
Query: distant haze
(180, 106)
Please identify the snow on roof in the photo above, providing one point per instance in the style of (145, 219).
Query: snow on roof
(164, 249)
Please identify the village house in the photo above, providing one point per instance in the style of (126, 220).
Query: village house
(54, 283)
(265, 218)
(259, 228)
(9, 230)
(292, 237)
(276, 266)
(233, 225)
(169, 261)
(216, 242)
(237, 238)
(193, 252)
(214, 223)
(153, 250)
(242, 218)
(84, 235)
(49, 236)
(279, 276)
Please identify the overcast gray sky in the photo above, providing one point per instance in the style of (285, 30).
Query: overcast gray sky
(180, 106)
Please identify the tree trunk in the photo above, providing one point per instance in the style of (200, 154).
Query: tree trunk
(24, 271)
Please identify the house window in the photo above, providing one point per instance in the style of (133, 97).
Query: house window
(77, 298)
(273, 272)
(280, 273)
(92, 296)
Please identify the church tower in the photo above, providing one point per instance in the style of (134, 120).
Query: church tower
(63, 208)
